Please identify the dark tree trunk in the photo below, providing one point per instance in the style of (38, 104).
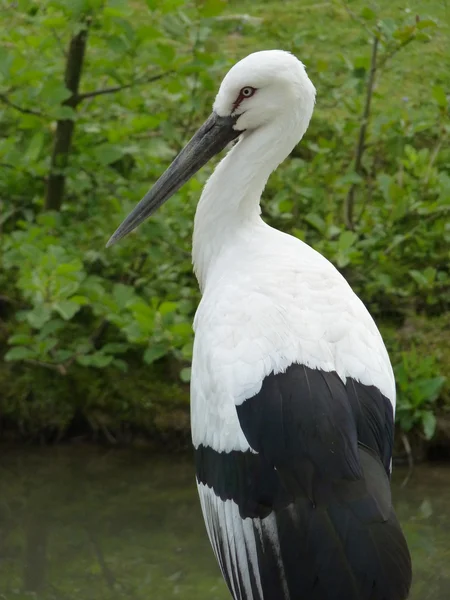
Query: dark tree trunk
(65, 127)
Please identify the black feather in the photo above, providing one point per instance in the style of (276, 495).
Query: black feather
(321, 469)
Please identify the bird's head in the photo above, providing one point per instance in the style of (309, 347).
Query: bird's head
(263, 86)
(259, 90)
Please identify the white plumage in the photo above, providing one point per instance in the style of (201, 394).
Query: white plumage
(292, 392)
(268, 308)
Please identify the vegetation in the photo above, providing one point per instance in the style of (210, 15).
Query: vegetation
(97, 97)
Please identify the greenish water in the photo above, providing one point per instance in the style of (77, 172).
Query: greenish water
(93, 524)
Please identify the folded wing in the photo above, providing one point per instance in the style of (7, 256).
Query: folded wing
(307, 514)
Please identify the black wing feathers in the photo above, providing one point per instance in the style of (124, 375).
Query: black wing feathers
(244, 477)
(321, 471)
(303, 413)
(374, 419)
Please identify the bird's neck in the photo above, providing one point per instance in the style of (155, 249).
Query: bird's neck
(229, 208)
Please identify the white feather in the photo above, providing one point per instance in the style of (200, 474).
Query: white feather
(237, 537)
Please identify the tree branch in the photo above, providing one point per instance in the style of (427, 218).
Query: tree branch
(65, 127)
(118, 88)
(387, 57)
(52, 366)
(360, 146)
(25, 111)
(355, 17)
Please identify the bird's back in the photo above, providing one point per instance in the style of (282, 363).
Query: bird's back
(292, 421)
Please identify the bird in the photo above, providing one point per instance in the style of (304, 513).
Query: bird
(292, 389)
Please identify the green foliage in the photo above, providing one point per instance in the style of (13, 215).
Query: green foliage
(73, 310)
(67, 308)
(418, 387)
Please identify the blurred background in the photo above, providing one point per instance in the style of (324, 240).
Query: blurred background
(96, 99)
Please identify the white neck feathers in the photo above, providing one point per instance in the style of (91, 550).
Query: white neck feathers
(229, 204)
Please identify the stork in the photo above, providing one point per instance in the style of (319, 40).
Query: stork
(292, 390)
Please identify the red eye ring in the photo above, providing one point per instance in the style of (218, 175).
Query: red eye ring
(246, 92)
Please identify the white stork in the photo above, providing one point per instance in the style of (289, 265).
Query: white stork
(293, 394)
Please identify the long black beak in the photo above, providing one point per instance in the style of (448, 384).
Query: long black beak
(211, 138)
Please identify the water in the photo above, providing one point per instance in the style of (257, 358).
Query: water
(93, 524)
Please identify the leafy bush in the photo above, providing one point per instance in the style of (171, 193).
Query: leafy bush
(67, 308)
(418, 386)
(96, 98)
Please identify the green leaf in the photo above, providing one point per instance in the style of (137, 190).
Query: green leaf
(67, 309)
(118, 44)
(44, 346)
(349, 178)
(97, 359)
(81, 300)
(19, 353)
(286, 206)
(166, 52)
(55, 92)
(120, 364)
(403, 34)
(154, 352)
(167, 307)
(361, 62)
(419, 277)
(34, 148)
(51, 327)
(123, 294)
(368, 14)
(107, 153)
(430, 274)
(185, 374)
(187, 350)
(77, 8)
(184, 329)
(426, 23)
(430, 388)
(317, 222)
(439, 95)
(62, 112)
(125, 26)
(60, 356)
(346, 240)
(39, 315)
(68, 268)
(20, 339)
(429, 424)
(422, 36)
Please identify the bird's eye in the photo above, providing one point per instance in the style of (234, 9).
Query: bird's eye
(247, 92)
